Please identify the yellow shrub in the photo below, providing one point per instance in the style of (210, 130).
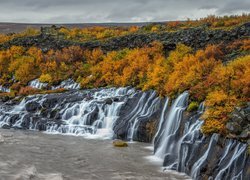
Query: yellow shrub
(45, 78)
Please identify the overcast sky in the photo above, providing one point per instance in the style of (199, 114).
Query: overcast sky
(90, 11)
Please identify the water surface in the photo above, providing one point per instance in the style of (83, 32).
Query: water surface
(34, 155)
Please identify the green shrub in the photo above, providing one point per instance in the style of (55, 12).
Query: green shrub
(193, 106)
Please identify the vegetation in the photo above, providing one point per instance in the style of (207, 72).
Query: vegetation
(193, 106)
(102, 33)
(204, 73)
(27, 32)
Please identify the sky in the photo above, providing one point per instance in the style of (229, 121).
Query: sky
(101, 11)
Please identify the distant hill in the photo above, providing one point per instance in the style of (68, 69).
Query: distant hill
(18, 27)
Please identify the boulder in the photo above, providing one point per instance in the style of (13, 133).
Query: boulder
(245, 134)
(32, 106)
(108, 101)
(5, 126)
(234, 127)
(119, 143)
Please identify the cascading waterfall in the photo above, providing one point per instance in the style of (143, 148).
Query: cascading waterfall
(145, 110)
(182, 147)
(228, 167)
(66, 84)
(171, 126)
(37, 84)
(77, 119)
(93, 115)
(4, 89)
(162, 118)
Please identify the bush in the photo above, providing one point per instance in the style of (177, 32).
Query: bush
(25, 91)
(193, 106)
(45, 78)
(16, 87)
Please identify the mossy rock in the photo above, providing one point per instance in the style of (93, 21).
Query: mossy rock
(120, 143)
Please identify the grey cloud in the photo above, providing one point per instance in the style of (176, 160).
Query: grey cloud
(79, 11)
(209, 7)
(234, 6)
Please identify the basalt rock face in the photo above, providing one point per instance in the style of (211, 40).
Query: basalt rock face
(195, 37)
(210, 157)
(139, 116)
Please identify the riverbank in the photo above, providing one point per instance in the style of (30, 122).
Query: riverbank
(40, 156)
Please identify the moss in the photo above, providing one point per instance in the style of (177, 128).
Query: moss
(193, 106)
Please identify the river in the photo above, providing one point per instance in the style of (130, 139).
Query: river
(40, 156)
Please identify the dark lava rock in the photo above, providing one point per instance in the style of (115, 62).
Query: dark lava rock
(14, 118)
(245, 134)
(50, 102)
(108, 101)
(233, 127)
(6, 126)
(32, 106)
(238, 125)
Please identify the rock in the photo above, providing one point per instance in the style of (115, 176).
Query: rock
(32, 106)
(245, 134)
(248, 142)
(25, 124)
(238, 125)
(119, 143)
(50, 102)
(233, 127)
(5, 126)
(14, 118)
(108, 101)
(116, 99)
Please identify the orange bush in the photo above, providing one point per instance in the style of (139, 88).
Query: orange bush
(24, 91)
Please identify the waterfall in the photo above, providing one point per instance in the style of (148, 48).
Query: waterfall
(67, 84)
(4, 89)
(171, 126)
(182, 147)
(87, 113)
(144, 110)
(162, 118)
(234, 166)
(37, 84)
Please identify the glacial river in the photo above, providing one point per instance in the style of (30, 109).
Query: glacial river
(39, 156)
